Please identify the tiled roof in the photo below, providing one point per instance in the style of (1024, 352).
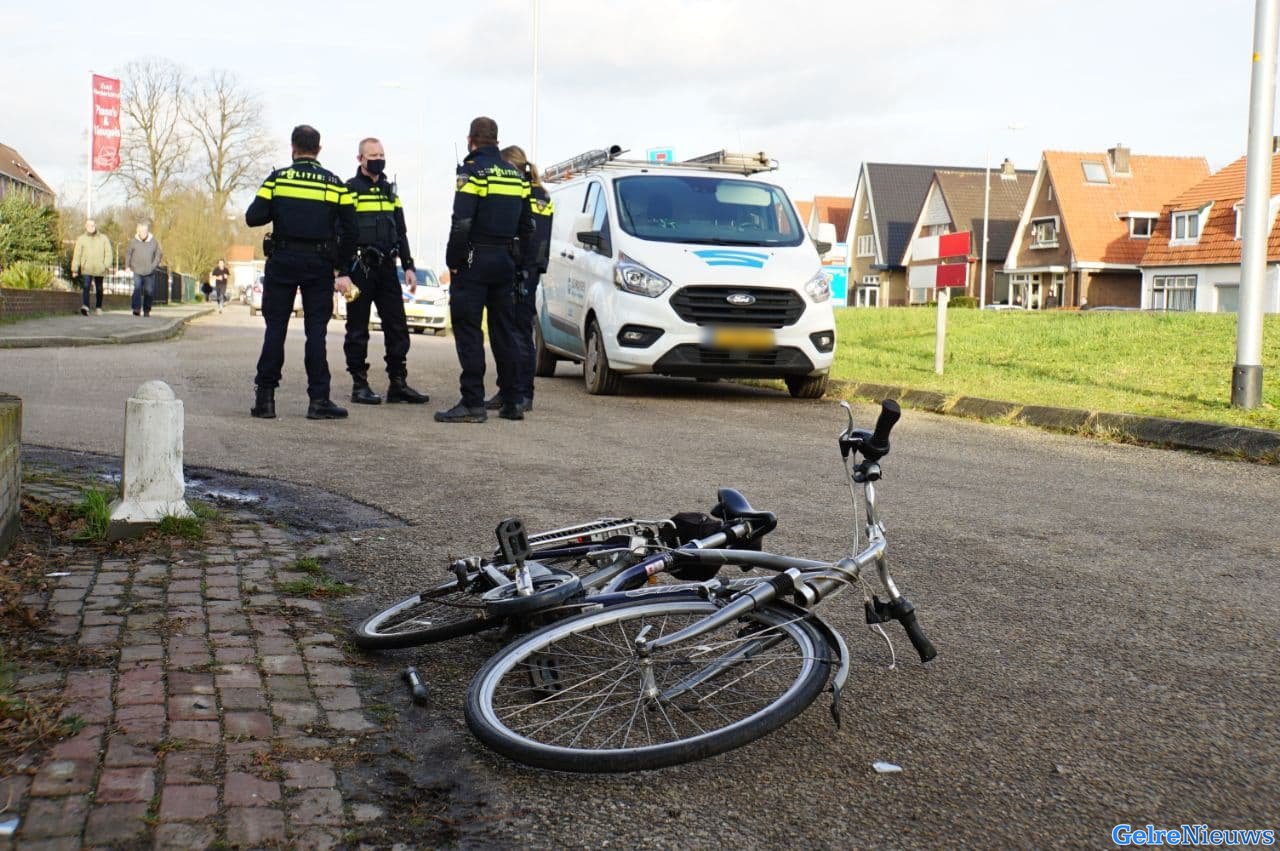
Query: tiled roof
(835, 210)
(1217, 243)
(964, 194)
(1089, 210)
(13, 165)
(897, 191)
(804, 209)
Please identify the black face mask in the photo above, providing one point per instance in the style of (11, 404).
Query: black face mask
(375, 167)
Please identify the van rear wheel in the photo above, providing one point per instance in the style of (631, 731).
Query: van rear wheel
(544, 363)
(600, 379)
(806, 386)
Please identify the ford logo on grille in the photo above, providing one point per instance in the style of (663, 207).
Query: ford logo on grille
(740, 299)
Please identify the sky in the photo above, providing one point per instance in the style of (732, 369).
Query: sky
(820, 86)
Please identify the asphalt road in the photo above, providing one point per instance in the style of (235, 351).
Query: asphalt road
(1105, 614)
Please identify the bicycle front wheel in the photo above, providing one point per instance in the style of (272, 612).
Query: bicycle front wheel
(576, 695)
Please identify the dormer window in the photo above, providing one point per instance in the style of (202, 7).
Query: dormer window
(1095, 172)
(1141, 225)
(1185, 227)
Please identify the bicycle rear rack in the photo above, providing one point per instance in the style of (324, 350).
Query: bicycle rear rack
(590, 532)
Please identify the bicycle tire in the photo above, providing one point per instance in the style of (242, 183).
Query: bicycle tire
(493, 708)
(382, 631)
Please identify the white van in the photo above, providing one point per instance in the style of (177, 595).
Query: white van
(692, 269)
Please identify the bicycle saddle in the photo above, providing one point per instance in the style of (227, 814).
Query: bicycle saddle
(731, 505)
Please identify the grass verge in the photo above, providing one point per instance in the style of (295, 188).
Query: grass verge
(1175, 365)
(94, 509)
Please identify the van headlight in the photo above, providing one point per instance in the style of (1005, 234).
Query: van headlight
(819, 287)
(635, 278)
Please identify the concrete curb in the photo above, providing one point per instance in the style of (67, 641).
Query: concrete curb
(165, 330)
(1254, 444)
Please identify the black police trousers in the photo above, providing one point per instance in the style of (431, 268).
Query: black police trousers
(487, 284)
(286, 273)
(526, 313)
(378, 286)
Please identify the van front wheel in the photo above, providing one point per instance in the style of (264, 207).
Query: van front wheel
(806, 386)
(600, 379)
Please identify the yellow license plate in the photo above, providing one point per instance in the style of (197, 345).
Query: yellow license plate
(750, 339)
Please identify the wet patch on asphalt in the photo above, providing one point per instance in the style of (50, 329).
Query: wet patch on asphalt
(302, 509)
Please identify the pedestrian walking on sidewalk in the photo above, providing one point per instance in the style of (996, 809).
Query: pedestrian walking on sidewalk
(92, 258)
(142, 258)
(219, 276)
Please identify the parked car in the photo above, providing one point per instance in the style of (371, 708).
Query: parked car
(255, 298)
(427, 309)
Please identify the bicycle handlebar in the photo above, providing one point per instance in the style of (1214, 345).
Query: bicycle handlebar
(877, 446)
(905, 613)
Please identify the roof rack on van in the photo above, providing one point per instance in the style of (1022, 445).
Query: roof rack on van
(718, 161)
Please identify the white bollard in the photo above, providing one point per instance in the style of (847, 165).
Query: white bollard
(151, 482)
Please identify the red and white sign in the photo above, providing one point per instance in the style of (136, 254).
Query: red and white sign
(941, 275)
(106, 124)
(941, 247)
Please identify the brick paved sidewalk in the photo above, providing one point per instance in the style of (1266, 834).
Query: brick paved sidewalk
(214, 715)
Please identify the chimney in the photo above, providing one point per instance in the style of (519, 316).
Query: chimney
(1119, 159)
(1007, 171)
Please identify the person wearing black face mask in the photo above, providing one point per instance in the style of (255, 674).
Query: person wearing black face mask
(382, 237)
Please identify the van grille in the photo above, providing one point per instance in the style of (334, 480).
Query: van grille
(710, 306)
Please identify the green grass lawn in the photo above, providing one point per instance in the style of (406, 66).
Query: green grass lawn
(1160, 364)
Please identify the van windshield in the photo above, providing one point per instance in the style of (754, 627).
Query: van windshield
(706, 210)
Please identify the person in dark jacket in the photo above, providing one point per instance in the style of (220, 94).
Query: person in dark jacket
(313, 247)
(219, 277)
(535, 264)
(143, 258)
(382, 237)
(491, 223)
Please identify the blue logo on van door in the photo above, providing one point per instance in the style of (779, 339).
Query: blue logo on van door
(733, 257)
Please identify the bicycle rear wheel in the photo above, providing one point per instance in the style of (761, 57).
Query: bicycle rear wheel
(572, 696)
(437, 614)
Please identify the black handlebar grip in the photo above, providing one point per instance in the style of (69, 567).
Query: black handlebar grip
(919, 640)
(877, 445)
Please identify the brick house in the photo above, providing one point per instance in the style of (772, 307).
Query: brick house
(886, 204)
(17, 175)
(1086, 225)
(954, 203)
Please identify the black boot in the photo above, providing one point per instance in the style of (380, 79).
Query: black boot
(361, 392)
(323, 409)
(460, 413)
(493, 403)
(399, 391)
(512, 410)
(264, 404)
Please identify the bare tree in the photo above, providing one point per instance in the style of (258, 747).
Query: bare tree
(197, 234)
(228, 134)
(155, 145)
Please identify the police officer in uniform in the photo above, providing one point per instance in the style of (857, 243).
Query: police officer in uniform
(491, 222)
(535, 264)
(382, 237)
(313, 246)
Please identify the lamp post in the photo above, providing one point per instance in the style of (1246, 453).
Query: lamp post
(1246, 375)
(986, 224)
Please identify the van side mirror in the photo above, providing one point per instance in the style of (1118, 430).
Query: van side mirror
(825, 238)
(590, 238)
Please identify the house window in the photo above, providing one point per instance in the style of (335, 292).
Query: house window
(1094, 172)
(1186, 226)
(868, 295)
(871, 280)
(1239, 208)
(936, 230)
(1140, 227)
(1173, 292)
(1044, 233)
(1049, 197)
(866, 246)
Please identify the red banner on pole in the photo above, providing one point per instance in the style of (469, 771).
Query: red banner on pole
(106, 124)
